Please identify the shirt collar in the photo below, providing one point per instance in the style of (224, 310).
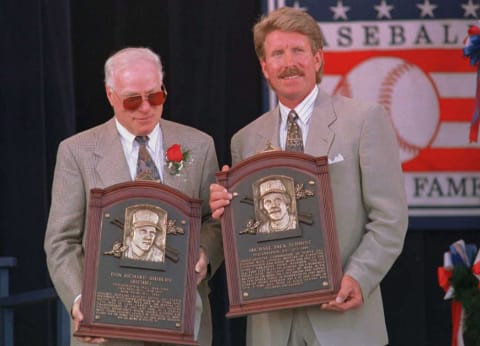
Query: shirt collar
(129, 139)
(303, 109)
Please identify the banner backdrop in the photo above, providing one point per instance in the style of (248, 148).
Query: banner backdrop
(408, 56)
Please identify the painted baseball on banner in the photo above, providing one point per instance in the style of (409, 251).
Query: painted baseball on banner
(410, 59)
(407, 93)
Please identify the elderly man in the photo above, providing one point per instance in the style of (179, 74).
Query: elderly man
(132, 144)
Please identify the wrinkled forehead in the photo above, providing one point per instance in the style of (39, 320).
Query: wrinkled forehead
(143, 71)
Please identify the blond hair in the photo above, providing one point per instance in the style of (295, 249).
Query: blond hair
(291, 20)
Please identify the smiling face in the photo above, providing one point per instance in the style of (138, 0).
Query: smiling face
(140, 77)
(275, 204)
(290, 66)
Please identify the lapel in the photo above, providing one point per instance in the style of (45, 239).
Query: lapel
(269, 131)
(320, 134)
(111, 166)
(170, 137)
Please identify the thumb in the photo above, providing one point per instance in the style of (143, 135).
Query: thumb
(345, 290)
(76, 315)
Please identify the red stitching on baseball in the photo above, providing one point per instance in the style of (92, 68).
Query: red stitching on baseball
(385, 98)
(343, 88)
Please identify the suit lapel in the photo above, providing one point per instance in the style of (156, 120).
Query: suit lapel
(269, 133)
(320, 135)
(111, 166)
(169, 138)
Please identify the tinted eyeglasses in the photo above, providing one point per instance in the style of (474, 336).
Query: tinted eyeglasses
(132, 103)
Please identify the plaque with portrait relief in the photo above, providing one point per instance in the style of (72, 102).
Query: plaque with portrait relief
(140, 253)
(279, 235)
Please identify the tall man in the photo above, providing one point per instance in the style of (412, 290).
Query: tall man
(107, 155)
(366, 180)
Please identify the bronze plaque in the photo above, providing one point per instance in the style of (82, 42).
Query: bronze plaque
(279, 236)
(140, 254)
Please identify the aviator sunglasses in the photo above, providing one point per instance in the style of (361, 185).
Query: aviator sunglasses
(132, 103)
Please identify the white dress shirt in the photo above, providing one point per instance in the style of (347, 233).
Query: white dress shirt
(130, 148)
(304, 111)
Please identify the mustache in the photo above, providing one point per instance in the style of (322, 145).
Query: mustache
(290, 71)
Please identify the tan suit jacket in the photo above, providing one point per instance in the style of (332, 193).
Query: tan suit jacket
(95, 158)
(370, 212)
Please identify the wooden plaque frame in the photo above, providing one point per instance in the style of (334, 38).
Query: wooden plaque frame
(284, 268)
(148, 300)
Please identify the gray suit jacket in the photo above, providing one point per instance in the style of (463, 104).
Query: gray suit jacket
(95, 158)
(370, 212)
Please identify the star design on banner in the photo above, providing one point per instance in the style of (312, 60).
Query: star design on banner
(340, 11)
(296, 4)
(427, 9)
(470, 9)
(384, 10)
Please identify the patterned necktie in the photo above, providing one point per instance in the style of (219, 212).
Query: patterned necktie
(294, 134)
(146, 169)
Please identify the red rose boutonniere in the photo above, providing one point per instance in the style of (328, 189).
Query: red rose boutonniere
(175, 158)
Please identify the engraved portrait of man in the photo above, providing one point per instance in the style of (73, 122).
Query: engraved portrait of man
(275, 205)
(145, 235)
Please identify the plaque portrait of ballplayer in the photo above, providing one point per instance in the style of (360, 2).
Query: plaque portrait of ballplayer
(275, 207)
(144, 235)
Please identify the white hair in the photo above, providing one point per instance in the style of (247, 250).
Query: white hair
(125, 57)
